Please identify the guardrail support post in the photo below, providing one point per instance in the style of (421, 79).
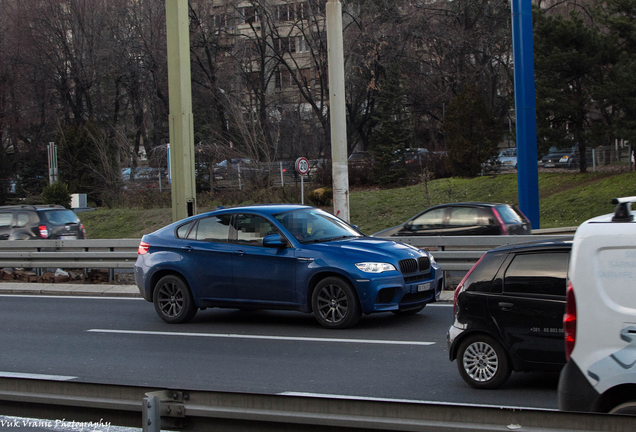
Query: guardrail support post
(151, 413)
(167, 404)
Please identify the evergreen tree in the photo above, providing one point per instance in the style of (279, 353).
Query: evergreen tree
(393, 131)
(472, 133)
(568, 68)
(619, 88)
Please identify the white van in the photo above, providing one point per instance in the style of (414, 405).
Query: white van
(600, 316)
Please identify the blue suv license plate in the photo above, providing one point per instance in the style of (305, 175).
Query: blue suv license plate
(423, 287)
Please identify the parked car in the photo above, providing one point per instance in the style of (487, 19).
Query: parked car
(281, 257)
(508, 313)
(600, 316)
(36, 222)
(567, 157)
(462, 219)
(507, 159)
(360, 159)
(412, 158)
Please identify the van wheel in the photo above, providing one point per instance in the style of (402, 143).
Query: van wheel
(173, 300)
(627, 408)
(335, 304)
(482, 362)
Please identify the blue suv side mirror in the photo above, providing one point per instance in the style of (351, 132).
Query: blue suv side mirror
(274, 240)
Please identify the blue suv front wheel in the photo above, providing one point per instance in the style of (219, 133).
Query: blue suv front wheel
(335, 304)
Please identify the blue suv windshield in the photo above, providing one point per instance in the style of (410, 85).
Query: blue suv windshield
(315, 226)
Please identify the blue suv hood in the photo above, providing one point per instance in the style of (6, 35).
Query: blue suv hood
(376, 249)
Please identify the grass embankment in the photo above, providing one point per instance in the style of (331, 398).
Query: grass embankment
(566, 199)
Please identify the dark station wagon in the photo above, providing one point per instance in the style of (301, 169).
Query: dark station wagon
(463, 219)
(37, 222)
(508, 313)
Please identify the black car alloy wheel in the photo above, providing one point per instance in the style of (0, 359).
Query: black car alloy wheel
(173, 300)
(335, 304)
(482, 362)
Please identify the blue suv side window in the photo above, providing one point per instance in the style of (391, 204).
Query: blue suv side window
(213, 229)
(251, 229)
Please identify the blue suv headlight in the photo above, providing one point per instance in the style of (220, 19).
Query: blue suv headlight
(375, 267)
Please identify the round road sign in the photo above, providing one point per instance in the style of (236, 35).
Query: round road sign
(302, 165)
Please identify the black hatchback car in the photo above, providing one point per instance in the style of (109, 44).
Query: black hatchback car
(508, 313)
(35, 222)
(463, 219)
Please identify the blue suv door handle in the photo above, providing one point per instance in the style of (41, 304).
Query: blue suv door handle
(240, 253)
(187, 248)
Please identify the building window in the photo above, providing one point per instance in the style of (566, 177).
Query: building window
(301, 44)
(221, 19)
(249, 15)
(284, 79)
(283, 12)
(305, 76)
(281, 45)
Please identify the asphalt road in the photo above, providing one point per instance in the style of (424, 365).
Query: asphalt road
(122, 341)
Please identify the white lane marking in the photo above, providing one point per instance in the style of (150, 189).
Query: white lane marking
(439, 305)
(36, 376)
(263, 337)
(71, 296)
(375, 399)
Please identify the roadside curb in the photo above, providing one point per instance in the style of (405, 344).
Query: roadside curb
(70, 289)
(98, 290)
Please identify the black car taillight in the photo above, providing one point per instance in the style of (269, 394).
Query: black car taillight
(43, 231)
(461, 284)
(502, 224)
(143, 248)
(569, 321)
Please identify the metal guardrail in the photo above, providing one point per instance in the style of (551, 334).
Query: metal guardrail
(70, 254)
(451, 253)
(209, 410)
(461, 253)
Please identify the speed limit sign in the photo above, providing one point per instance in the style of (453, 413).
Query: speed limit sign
(302, 165)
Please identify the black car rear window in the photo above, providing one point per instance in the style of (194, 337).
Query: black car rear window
(60, 217)
(537, 273)
(510, 215)
(480, 280)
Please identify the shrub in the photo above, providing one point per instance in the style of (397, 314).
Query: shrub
(57, 193)
(321, 197)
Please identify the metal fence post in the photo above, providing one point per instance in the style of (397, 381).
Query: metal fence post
(151, 414)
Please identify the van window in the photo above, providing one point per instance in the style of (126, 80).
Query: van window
(537, 273)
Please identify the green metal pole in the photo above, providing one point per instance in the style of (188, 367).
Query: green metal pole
(181, 127)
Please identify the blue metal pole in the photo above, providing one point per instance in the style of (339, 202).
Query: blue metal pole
(525, 110)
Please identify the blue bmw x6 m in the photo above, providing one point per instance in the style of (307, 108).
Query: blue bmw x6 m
(281, 257)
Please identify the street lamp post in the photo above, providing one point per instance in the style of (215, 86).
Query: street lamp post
(337, 110)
